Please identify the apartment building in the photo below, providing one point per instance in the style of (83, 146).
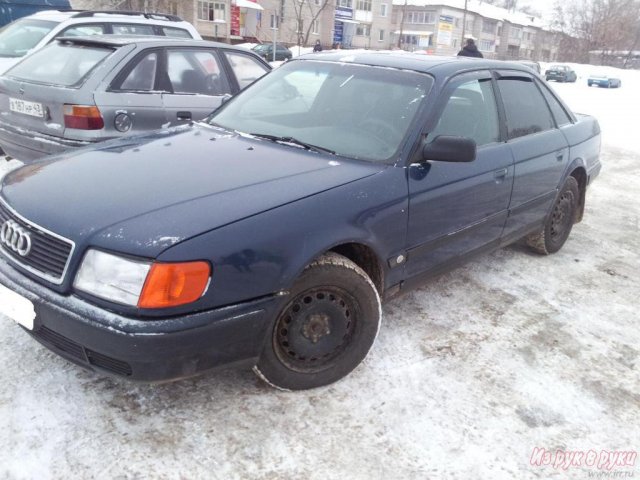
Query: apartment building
(434, 26)
(438, 27)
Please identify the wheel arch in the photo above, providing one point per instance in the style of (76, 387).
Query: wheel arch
(366, 258)
(580, 174)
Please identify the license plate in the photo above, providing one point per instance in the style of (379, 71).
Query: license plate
(16, 307)
(27, 108)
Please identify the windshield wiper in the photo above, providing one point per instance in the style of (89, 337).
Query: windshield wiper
(293, 141)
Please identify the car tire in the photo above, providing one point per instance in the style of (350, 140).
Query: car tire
(325, 328)
(559, 223)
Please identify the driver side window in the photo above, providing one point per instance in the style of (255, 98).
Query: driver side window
(470, 112)
(196, 72)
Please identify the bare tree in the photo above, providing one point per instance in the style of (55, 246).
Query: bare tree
(307, 10)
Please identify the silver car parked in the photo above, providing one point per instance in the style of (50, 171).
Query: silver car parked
(77, 91)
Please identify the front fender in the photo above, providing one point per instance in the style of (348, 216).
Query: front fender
(264, 254)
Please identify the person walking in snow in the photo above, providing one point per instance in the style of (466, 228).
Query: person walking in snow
(470, 50)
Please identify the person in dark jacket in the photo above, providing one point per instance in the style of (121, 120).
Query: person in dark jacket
(470, 50)
(317, 47)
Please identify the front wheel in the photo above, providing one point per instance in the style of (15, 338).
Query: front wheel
(560, 221)
(326, 328)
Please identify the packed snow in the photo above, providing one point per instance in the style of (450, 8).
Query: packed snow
(474, 376)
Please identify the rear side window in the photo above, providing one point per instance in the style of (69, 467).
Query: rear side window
(132, 29)
(61, 64)
(246, 69)
(83, 30)
(524, 106)
(560, 115)
(142, 77)
(176, 32)
(470, 112)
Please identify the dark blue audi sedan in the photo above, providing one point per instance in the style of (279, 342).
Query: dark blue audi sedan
(268, 234)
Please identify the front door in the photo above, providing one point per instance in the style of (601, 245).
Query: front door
(456, 209)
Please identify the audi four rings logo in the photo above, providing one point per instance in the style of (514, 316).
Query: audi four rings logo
(16, 238)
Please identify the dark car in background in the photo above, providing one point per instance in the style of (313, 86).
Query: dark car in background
(560, 73)
(268, 234)
(265, 50)
(13, 10)
(604, 80)
(82, 90)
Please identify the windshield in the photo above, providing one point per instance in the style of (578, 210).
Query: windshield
(17, 38)
(60, 64)
(357, 111)
(259, 48)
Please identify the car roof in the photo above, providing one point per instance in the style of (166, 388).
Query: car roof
(121, 40)
(84, 15)
(400, 59)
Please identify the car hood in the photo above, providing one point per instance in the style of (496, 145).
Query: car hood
(141, 195)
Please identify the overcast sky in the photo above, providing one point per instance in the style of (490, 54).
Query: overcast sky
(543, 6)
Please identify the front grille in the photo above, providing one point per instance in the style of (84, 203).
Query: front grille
(62, 344)
(50, 253)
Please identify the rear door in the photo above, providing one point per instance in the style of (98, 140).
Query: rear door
(456, 209)
(539, 148)
(198, 84)
(133, 101)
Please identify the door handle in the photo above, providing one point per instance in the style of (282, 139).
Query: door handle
(501, 174)
(183, 115)
(559, 156)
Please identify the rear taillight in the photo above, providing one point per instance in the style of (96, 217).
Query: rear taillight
(83, 117)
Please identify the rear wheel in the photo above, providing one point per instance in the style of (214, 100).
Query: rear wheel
(560, 221)
(326, 328)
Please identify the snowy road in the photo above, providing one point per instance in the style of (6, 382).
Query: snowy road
(470, 374)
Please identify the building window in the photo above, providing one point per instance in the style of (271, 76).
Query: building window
(363, 30)
(381, 36)
(499, 31)
(364, 5)
(421, 17)
(486, 45)
(344, 3)
(300, 26)
(210, 11)
(515, 33)
(456, 22)
(489, 26)
(315, 27)
(383, 9)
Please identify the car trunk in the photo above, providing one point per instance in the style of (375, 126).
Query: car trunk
(36, 108)
(34, 93)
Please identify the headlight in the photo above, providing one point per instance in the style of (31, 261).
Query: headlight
(140, 283)
(111, 277)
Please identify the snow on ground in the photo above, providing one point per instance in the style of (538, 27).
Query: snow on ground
(469, 374)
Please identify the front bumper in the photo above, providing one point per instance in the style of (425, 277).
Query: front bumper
(27, 145)
(143, 350)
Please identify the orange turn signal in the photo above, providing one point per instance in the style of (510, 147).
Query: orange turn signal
(173, 284)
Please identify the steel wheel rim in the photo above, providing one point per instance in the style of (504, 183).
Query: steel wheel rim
(315, 328)
(561, 219)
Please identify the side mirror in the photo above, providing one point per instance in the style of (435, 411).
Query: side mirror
(225, 98)
(445, 148)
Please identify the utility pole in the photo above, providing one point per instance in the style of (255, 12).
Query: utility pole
(404, 12)
(464, 22)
